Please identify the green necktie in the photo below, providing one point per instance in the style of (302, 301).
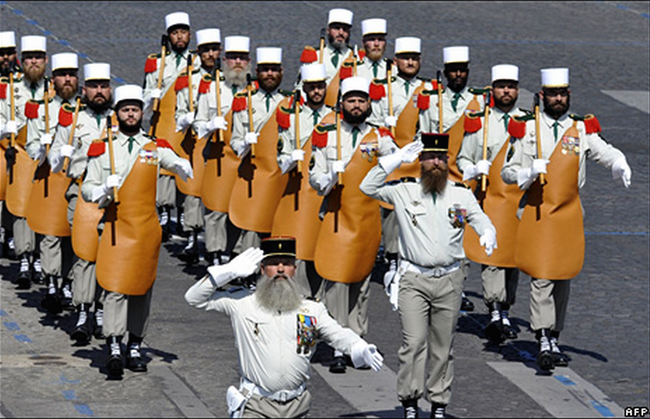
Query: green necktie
(33, 88)
(506, 119)
(234, 89)
(315, 116)
(131, 140)
(98, 118)
(407, 85)
(454, 101)
(179, 57)
(335, 57)
(375, 68)
(268, 101)
(355, 134)
(555, 130)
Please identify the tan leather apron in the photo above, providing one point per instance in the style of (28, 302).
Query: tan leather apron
(47, 209)
(350, 233)
(19, 186)
(550, 240)
(127, 258)
(260, 183)
(166, 128)
(85, 238)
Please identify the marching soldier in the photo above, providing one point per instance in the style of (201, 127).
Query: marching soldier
(69, 154)
(297, 212)
(485, 145)
(549, 158)
(457, 100)
(47, 206)
(28, 90)
(269, 388)
(160, 102)
(123, 181)
(432, 213)
(334, 52)
(259, 182)
(8, 64)
(348, 240)
(373, 65)
(214, 123)
(208, 49)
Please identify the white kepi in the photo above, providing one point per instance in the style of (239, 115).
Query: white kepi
(458, 54)
(555, 77)
(505, 72)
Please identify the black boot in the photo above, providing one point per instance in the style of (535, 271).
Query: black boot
(559, 359)
(411, 408)
(508, 330)
(66, 295)
(52, 300)
(466, 304)
(81, 332)
(438, 410)
(98, 328)
(544, 357)
(494, 330)
(24, 278)
(38, 277)
(190, 253)
(338, 365)
(134, 360)
(114, 364)
(164, 223)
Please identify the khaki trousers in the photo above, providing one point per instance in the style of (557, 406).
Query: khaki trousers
(260, 407)
(215, 231)
(348, 303)
(193, 210)
(24, 237)
(166, 191)
(548, 303)
(499, 284)
(428, 308)
(124, 313)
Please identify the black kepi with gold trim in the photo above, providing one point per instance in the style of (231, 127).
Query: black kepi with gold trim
(279, 246)
(434, 144)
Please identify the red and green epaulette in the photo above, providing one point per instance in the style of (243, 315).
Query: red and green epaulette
(151, 64)
(592, 126)
(319, 136)
(66, 114)
(182, 82)
(97, 148)
(4, 85)
(517, 125)
(424, 97)
(31, 108)
(204, 84)
(376, 89)
(473, 121)
(309, 55)
(239, 101)
(385, 132)
(161, 143)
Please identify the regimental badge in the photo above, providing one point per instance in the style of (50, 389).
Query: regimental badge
(457, 216)
(369, 150)
(149, 157)
(306, 337)
(570, 145)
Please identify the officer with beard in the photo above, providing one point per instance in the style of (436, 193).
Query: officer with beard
(274, 354)
(432, 213)
(374, 46)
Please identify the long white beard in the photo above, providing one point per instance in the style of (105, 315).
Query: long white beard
(236, 77)
(277, 294)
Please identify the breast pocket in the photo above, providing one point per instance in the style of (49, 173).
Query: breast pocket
(256, 327)
(416, 212)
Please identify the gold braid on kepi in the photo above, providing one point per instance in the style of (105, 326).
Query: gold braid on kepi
(280, 246)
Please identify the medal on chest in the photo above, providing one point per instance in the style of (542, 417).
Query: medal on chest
(369, 150)
(149, 157)
(306, 337)
(457, 216)
(571, 142)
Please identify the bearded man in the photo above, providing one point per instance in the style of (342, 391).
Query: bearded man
(274, 354)
(431, 214)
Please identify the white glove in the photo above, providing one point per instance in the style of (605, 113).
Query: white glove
(102, 193)
(46, 139)
(11, 127)
(298, 155)
(67, 151)
(156, 94)
(184, 169)
(489, 241)
(526, 177)
(338, 166)
(366, 355)
(483, 167)
(218, 122)
(390, 121)
(621, 170)
(184, 122)
(251, 138)
(470, 172)
(406, 154)
(240, 267)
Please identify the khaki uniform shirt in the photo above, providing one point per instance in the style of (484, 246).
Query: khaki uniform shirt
(36, 127)
(261, 114)
(99, 168)
(430, 228)
(24, 91)
(592, 146)
(267, 342)
(206, 109)
(183, 95)
(90, 126)
(367, 71)
(402, 93)
(324, 157)
(471, 150)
